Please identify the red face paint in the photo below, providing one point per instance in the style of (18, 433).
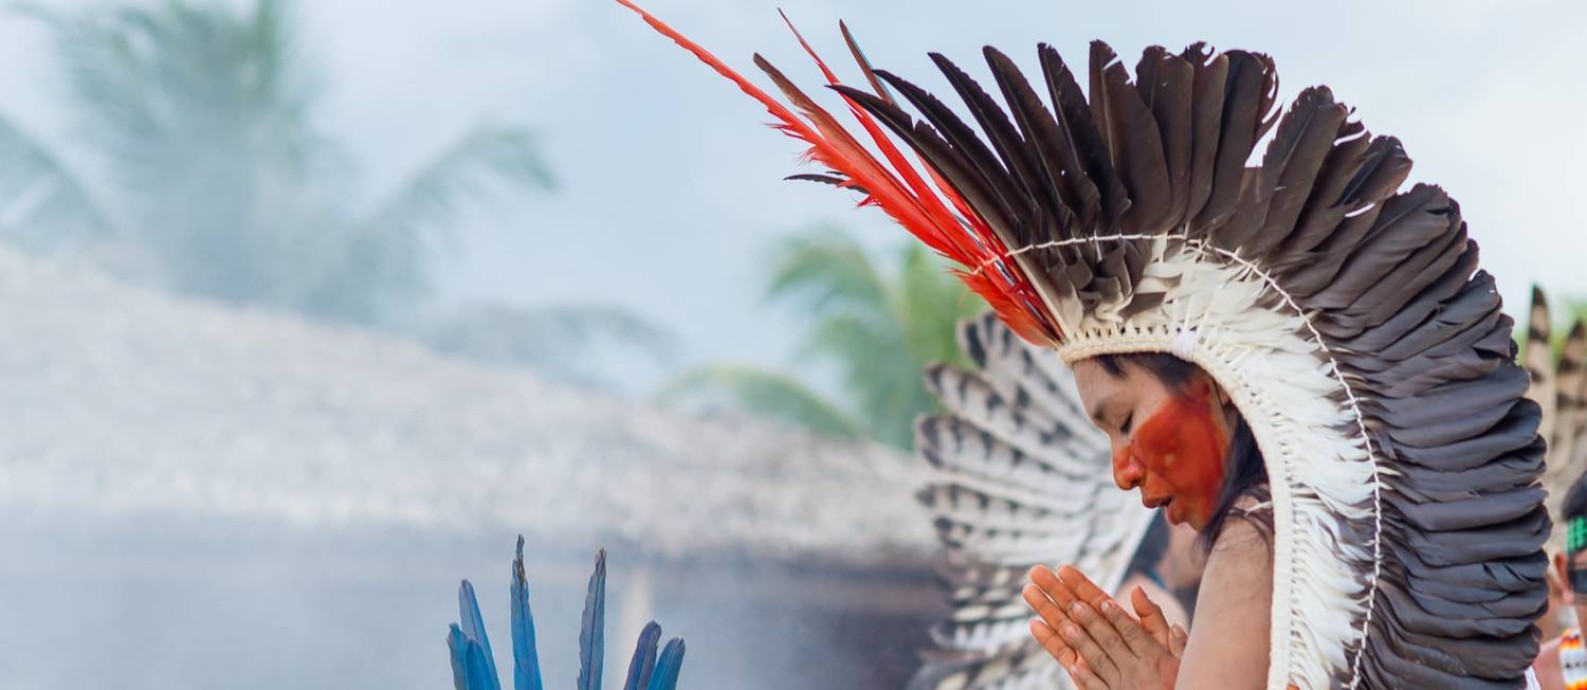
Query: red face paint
(1183, 450)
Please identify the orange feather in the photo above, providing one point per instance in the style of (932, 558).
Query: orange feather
(910, 202)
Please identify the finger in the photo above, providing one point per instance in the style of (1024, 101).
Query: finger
(1050, 583)
(1094, 655)
(1082, 586)
(1049, 640)
(1102, 630)
(1151, 616)
(1044, 607)
(1130, 633)
(1084, 678)
(1177, 640)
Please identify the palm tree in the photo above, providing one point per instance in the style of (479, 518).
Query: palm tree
(196, 153)
(879, 327)
(197, 166)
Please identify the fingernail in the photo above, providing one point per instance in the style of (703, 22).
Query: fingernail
(1077, 608)
(1109, 607)
(1071, 632)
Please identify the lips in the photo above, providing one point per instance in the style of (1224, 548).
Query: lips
(1155, 503)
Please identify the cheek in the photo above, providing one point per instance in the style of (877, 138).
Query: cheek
(1184, 446)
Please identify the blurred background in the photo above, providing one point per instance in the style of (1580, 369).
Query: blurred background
(307, 308)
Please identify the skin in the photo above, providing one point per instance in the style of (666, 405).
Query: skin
(1550, 624)
(1171, 445)
(1180, 567)
(1549, 675)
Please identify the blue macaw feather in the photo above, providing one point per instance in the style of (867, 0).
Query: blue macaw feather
(459, 646)
(668, 666)
(473, 623)
(480, 672)
(644, 661)
(525, 658)
(474, 667)
(592, 636)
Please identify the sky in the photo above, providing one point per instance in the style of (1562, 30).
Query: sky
(671, 191)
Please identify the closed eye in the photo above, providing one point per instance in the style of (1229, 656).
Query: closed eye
(1124, 428)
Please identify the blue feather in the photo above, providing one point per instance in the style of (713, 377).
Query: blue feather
(592, 637)
(644, 662)
(459, 647)
(473, 623)
(668, 666)
(526, 660)
(480, 674)
(473, 629)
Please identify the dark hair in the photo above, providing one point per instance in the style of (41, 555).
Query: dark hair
(1575, 504)
(1245, 471)
(1154, 544)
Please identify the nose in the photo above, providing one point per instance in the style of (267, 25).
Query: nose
(1127, 471)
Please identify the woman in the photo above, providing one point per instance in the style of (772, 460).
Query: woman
(1176, 437)
(993, 520)
(1341, 318)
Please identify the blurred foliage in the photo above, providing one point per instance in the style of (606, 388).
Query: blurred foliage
(555, 340)
(196, 165)
(1575, 310)
(879, 323)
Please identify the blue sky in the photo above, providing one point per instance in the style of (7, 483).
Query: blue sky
(672, 189)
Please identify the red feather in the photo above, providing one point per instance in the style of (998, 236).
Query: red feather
(910, 202)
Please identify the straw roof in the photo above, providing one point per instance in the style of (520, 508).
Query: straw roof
(119, 403)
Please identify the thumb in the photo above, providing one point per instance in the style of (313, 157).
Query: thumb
(1151, 616)
(1176, 641)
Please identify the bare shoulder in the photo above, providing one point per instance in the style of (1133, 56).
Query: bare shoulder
(1547, 666)
(1229, 642)
(1242, 545)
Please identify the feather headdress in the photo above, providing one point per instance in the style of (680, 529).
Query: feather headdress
(1559, 386)
(1346, 318)
(1019, 477)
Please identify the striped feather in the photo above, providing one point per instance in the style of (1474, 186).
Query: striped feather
(1020, 478)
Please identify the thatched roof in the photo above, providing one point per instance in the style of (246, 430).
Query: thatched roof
(119, 403)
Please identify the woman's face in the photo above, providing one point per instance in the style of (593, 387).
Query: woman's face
(1170, 444)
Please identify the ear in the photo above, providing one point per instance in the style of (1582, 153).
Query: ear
(1205, 385)
(1201, 384)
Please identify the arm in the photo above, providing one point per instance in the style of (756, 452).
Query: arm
(1549, 674)
(1228, 647)
(1104, 648)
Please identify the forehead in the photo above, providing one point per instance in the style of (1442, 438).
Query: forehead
(1094, 383)
(1104, 393)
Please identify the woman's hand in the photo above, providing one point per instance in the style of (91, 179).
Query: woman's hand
(1097, 642)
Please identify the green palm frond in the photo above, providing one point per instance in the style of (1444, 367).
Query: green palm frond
(555, 340)
(42, 201)
(877, 325)
(761, 392)
(484, 158)
(934, 302)
(194, 131)
(824, 269)
(387, 257)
